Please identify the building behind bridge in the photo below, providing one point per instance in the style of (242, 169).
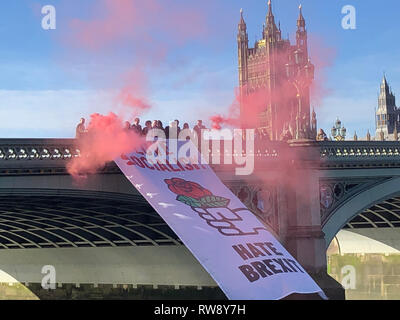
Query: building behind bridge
(387, 114)
(274, 81)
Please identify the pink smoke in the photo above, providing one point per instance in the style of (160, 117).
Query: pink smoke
(133, 95)
(128, 99)
(260, 99)
(106, 140)
(155, 22)
(154, 28)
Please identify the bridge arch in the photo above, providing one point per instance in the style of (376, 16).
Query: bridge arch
(93, 238)
(356, 205)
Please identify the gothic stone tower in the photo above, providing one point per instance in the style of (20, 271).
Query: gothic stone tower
(277, 75)
(387, 115)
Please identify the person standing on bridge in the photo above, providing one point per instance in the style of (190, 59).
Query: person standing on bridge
(81, 129)
(136, 127)
(147, 128)
(127, 126)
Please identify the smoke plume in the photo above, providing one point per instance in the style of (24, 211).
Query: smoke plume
(149, 29)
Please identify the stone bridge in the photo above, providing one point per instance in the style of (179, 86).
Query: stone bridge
(101, 232)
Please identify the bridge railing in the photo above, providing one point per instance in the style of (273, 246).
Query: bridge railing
(55, 152)
(20, 156)
(360, 150)
(66, 149)
(36, 156)
(38, 149)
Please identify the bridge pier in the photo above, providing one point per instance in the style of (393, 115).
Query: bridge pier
(307, 245)
(303, 236)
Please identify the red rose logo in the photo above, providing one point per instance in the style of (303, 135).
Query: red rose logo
(187, 188)
(194, 195)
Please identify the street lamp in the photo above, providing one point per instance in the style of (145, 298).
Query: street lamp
(338, 131)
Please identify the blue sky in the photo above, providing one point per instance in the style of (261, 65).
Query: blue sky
(45, 87)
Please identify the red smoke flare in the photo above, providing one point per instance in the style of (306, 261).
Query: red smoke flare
(106, 140)
(128, 99)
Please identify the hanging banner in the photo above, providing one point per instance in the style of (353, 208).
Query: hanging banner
(235, 248)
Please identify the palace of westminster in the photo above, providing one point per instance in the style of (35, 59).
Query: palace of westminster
(275, 66)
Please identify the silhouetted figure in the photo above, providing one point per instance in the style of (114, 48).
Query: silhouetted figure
(80, 129)
(157, 124)
(198, 127)
(186, 127)
(169, 130)
(136, 127)
(160, 125)
(172, 131)
(147, 127)
(177, 126)
(198, 130)
(127, 126)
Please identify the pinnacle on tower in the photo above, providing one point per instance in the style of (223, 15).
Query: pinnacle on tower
(270, 16)
(384, 81)
(301, 22)
(301, 12)
(301, 33)
(271, 31)
(385, 85)
(242, 23)
(270, 8)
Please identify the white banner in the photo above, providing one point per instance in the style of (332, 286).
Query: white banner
(235, 248)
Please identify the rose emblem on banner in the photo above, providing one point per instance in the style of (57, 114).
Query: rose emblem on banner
(194, 195)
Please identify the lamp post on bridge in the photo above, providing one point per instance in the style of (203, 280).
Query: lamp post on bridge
(300, 74)
(338, 131)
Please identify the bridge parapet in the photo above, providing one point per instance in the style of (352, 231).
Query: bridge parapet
(36, 156)
(33, 153)
(55, 153)
(366, 153)
(38, 149)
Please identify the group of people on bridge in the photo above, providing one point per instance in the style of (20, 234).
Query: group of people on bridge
(136, 127)
(81, 130)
